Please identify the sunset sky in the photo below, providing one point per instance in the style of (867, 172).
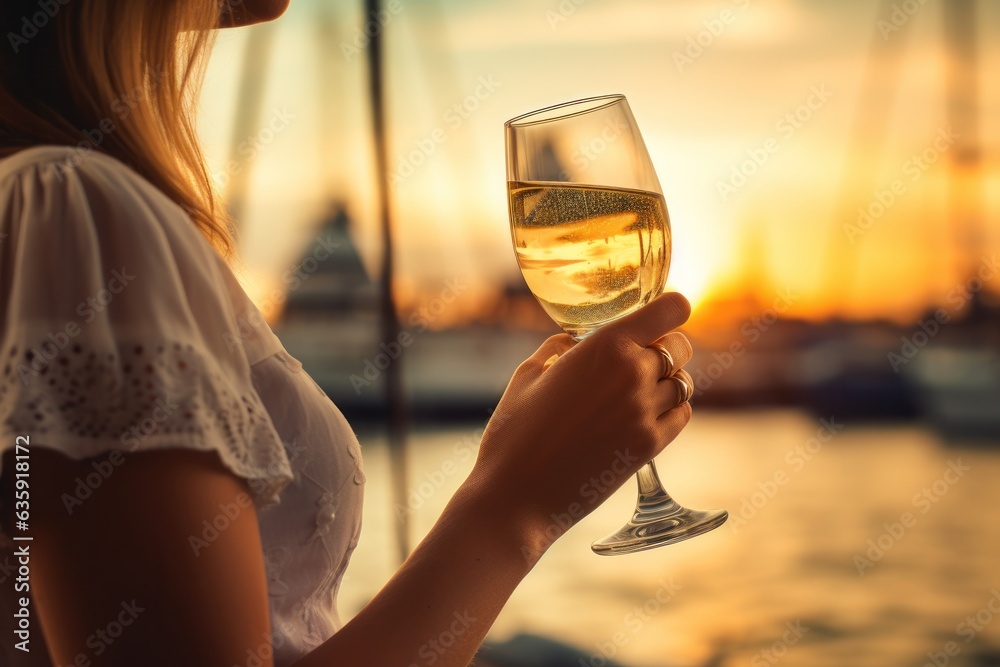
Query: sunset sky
(702, 116)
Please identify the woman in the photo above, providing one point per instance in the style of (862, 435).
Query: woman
(192, 496)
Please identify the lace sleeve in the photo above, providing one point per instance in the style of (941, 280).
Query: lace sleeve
(115, 321)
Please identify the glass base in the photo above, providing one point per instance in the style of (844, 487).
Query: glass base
(658, 520)
(683, 525)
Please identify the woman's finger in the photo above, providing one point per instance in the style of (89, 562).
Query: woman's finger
(546, 354)
(652, 321)
(678, 350)
(670, 424)
(674, 391)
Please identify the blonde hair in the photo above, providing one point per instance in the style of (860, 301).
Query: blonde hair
(118, 76)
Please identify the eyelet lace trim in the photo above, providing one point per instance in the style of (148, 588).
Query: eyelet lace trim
(85, 402)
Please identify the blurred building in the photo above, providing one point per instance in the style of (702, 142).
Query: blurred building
(330, 323)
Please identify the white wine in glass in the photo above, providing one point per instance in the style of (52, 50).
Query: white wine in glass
(589, 254)
(592, 236)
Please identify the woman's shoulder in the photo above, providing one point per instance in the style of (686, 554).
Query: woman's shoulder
(41, 179)
(72, 212)
(64, 205)
(113, 305)
(62, 158)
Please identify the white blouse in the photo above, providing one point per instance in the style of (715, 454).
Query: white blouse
(124, 330)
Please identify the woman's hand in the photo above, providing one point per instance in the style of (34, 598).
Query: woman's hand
(578, 420)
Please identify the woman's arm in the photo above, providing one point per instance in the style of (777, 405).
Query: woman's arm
(117, 573)
(439, 605)
(557, 430)
(131, 547)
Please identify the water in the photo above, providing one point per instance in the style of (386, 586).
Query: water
(786, 559)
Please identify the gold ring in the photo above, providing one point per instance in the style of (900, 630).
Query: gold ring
(685, 386)
(668, 361)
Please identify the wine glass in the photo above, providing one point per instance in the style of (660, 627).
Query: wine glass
(592, 237)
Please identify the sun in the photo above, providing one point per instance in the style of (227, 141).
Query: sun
(691, 278)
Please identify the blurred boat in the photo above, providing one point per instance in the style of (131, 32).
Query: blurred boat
(959, 388)
(527, 650)
(848, 376)
(835, 369)
(331, 324)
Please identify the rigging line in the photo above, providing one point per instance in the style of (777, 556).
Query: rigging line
(440, 62)
(868, 131)
(249, 110)
(965, 192)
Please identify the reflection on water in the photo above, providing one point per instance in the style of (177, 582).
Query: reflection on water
(803, 512)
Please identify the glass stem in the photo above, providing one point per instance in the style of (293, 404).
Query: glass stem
(654, 503)
(649, 482)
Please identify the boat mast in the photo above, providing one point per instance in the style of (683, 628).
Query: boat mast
(394, 395)
(965, 190)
